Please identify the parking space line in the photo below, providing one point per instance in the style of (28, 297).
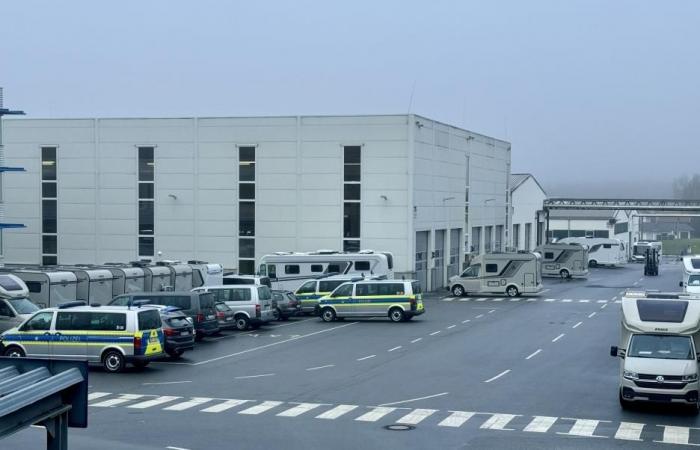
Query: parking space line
(590, 316)
(479, 316)
(320, 367)
(577, 325)
(451, 327)
(492, 311)
(434, 333)
(395, 348)
(558, 337)
(416, 340)
(497, 376)
(224, 406)
(366, 357)
(466, 321)
(535, 353)
(603, 307)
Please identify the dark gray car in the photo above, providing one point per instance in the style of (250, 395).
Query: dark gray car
(285, 305)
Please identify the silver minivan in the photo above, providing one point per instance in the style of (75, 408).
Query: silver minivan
(252, 303)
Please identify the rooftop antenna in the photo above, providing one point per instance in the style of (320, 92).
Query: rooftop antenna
(410, 99)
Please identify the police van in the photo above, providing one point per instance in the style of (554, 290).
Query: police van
(398, 300)
(108, 335)
(309, 292)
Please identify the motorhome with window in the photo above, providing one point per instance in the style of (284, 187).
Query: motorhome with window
(564, 260)
(15, 307)
(500, 273)
(288, 271)
(48, 288)
(658, 349)
(601, 251)
(691, 274)
(639, 250)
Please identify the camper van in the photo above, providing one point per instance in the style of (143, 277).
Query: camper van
(287, 271)
(658, 349)
(48, 288)
(15, 307)
(639, 250)
(691, 274)
(500, 273)
(564, 260)
(601, 251)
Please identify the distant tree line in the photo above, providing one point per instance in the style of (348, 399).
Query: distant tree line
(687, 188)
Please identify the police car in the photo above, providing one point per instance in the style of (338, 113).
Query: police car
(399, 300)
(108, 335)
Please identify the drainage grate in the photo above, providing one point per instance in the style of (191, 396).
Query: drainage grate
(399, 427)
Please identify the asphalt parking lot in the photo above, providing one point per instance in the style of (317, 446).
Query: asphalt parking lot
(473, 372)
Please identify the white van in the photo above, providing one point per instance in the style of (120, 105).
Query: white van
(251, 303)
(639, 250)
(601, 251)
(500, 273)
(564, 260)
(691, 274)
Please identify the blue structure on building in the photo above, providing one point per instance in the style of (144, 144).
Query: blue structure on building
(3, 168)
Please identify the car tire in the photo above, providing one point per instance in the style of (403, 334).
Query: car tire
(327, 315)
(396, 315)
(458, 290)
(276, 314)
(176, 354)
(198, 337)
(564, 274)
(113, 361)
(14, 352)
(512, 291)
(593, 263)
(242, 323)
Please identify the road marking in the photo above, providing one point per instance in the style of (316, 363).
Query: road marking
(584, 301)
(514, 299)
(298, 410)
(531, 300)
(550, 299)
(261, 408)
(566, 300)
(124, 398)
(451, 327)
(195, 401)
(636, 283)
(395, 348)
(170, 447)
(416, 340)
(479, 316)
(536, 352)
(415, 399)
(618, 301)
(629, 431)
(603, 307)
(497, 376)
(540, 424)
(483, 299)
(498, 299)
(154, 402)
(448, 299)
(320, 367)
(224, 406)
(456, 419)
(583, 427)
(336, 412)
(675, 435)
(245, 377)
(590, 316)
(96, 395)
(366, 357)
(558, 337)
(613, 299)
(375, 414)
(492, 311)
(464, 299)
(416, 416)
(602, 301)
(165, 382)
(466, 321)
(498, 422)
(577, 325)
(434, 333)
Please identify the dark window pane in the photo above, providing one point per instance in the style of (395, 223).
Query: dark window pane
(351, 220)
(352, 172)
(351, 246)
(145, 246)
(145, 217)
(246, 154)
(48, 190)
(246, 172)
(246, 219)
(352, 192)
(246, 191)
(291, 269)
(48, 214)
(352, 154)
(48, 163)
(49, 260)
(361, 265)
(148, 320)
(145, 190)
(491, 268)
(146, 164)
(246, 248)
(246, 267)
(49, 244)
(316, 268)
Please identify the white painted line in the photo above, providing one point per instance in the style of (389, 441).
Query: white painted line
(629, 431)
(535, 353)
(165, 382)
(675, 435)
(584, 301)
(602, 301)
(195, 401)
(416, 340)
(320, 367)
(298, 410)
(531, 300)
(492, 311)
(415, 399)
(456, 419)
(583, 427)
(498, 422)
(366, 357)
(540, 424)
(336, 412)
(464, 299)
(224, 406)
(618, 301)
(448, 299)
(515, 299)
(96, 395)
(590, 316)
(483, 299)
(245, 377)
(395, 348)
(416, 416)
(451, 327)
(566, 300)
(154, 402)
(636, 283)
(550, 299)
(479, 316)
(375, 414)
(124, 398)
(577, 325)
(498, 299)
(434, 333)
(613, 299)
(641, 279)
(497, 376)
(558, 337)
(466, 321)
(261, 408)
(170, 447)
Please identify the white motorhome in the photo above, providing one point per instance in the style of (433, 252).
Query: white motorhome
(639, 250)
(48, 288)
(601, 251)
(500, 273)
(206, 274)
(658, 348)
(564, 260)
(288, 271)
(691, 274)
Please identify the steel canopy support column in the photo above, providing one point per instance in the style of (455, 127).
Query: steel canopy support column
(57, 432)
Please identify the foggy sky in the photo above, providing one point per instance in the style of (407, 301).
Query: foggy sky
(597, 96)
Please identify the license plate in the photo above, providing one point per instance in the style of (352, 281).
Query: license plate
(211, 317)
(184, 333)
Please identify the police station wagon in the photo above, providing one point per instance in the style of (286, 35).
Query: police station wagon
(108, 335)
(398, 300)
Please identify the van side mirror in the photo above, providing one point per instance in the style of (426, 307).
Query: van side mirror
(613, 351)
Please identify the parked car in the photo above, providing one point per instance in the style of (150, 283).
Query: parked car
(14, 311)
(234, 279)
(251, 304)
(225, 316)
(197, 305)
(178, 331)
(285, 305)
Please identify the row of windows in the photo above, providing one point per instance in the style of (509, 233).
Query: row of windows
(92, 321)
(294, 269)
(49, 206)
(352, 173)
(246, 210)
(560, 234)
(146, 184)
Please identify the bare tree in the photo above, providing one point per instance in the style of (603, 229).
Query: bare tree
(687, 188)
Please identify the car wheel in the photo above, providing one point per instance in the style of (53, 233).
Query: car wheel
(396, 315)
(276, 314)
(242, 323)
(175, 354)
(327, 314)
(113, 361)
(593, 263)
(564, 274)
(457, 290)
(624, 404)
(512, 291)
(14, 352)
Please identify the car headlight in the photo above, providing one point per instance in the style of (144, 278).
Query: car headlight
(690, 378)
(189, 319)
(630, 375)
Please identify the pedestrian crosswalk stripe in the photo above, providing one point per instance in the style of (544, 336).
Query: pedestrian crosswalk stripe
(194, 401)
(675, 435)
(298, 410)
(376, 414)
(261, 408)
(416, 416)
(540, 424)
(629, 431)
(498, 299)
(124, 398)
(531, 299)
(584, 301)
(583, 427)
(514, 299)
(456, 419)
(481, 299)
(336, 412)
(550, 299)
(499, 422)
(566, 300)
(96, 395)
(153, 402)
(464, 299)
(228, 404)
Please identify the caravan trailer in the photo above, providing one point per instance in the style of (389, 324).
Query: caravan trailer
(48, 288)
(639, 250)
(206, 274)
(500, 273)
(601, 251)
(127, 279)
(288, 271)
(94, 285)
(180, 275)
(564, 260)
(691, 274)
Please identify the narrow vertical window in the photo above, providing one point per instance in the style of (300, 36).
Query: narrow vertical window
(246, 210)
(146, 193)
(49, 206)
(352, 195)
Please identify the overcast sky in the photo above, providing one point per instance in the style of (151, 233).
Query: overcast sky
(596, 97)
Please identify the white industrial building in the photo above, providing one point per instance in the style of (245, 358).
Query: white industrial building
(230, 190)
(528, 219)
(623, 225)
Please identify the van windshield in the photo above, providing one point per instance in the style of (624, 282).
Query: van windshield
(659, 346)
(23, 305)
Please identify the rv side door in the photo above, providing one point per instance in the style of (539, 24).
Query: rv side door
(471, 278)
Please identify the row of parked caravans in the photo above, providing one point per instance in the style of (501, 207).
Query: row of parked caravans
(99, 284)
